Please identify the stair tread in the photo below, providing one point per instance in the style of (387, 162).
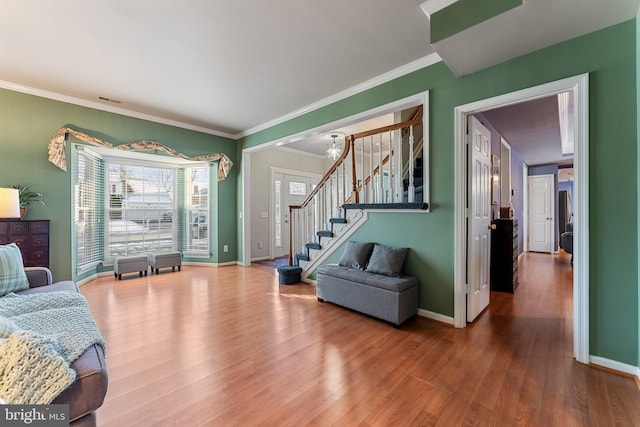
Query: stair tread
(313, 245)
(302, 257)
(338, 220)
(325, 233)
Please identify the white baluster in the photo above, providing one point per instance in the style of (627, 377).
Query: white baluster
(391, 178)
(371, 177)
(379, 198)
(411, 167)
(363, 196)
(400, 173)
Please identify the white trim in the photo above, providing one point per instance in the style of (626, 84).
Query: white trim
(109, 108)
(615, 365)
(430, 7)
(435, 316)
(246, 206)
(504, 145)
(261, 258)
(580, 86)
(426, 153)
(525, 208)
(416, 65)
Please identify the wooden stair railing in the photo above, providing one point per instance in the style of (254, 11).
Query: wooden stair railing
(323, 207)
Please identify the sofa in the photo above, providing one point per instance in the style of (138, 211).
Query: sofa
(89, 387)
(368, 279)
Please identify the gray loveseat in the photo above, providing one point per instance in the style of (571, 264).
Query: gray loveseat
(368, 279)
(87, 391)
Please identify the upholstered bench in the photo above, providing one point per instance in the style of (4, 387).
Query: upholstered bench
(130, 264)
(165, 259)
(368, 279)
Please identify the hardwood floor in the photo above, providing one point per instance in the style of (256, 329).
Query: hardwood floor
(229, 346)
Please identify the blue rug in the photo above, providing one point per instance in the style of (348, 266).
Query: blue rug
(275, 263)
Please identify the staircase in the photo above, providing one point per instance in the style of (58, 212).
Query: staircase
(378, 169)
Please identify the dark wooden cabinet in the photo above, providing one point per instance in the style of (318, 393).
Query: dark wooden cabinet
(31, 236)
(504, 255)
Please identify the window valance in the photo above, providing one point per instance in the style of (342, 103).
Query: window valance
(58, 141)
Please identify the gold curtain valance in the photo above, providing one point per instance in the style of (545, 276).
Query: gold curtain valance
(58, 157)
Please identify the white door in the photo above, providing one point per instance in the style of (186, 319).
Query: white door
(541, 207)
(287, 190)
(479, 234)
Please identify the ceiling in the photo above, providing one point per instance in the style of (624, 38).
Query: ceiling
(231, 67)
(532, 129)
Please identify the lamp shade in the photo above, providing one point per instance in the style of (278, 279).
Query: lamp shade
(9, 203)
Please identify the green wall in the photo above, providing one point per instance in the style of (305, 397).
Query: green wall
(28, 122)
(638, 161)
(609, 56)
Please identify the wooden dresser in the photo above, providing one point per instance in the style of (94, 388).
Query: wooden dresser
(31, 236)
(504, 255)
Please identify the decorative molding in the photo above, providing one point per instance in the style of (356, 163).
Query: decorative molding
(435, 316)
(430, 7)
(622, 368)
(109, 108)
(416, 65)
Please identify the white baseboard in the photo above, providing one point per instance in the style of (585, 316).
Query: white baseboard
(615, 365)
(435, 316)
(260, 258)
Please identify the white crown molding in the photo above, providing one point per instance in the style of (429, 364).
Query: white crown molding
(430, 7)
(416, 65)
(108, 108)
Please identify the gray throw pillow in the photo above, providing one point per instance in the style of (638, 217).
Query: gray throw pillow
(386, 260)
(356, 255)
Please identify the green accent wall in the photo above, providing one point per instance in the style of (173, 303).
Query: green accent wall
(464, 14)
(28, 122)
(638, 161)
(609, 56)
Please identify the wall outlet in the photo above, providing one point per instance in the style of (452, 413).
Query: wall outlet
(225, 248)
(260, 245)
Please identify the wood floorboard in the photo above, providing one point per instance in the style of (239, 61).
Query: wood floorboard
(230, 346)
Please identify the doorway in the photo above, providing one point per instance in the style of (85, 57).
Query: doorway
(578, 85)
(288, 187)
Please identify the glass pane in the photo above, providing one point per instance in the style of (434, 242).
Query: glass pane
(277, 214)
(297, 188)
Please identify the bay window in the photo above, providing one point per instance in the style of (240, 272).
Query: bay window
(132, 204)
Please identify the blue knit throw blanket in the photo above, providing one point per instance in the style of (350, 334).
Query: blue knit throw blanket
(54, 329)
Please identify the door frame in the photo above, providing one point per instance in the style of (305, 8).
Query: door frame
(551, 198)
(579, 86)
(272, 205)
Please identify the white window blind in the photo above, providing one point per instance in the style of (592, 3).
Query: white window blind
(197, 216)
(88, 184)
(140, 205)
